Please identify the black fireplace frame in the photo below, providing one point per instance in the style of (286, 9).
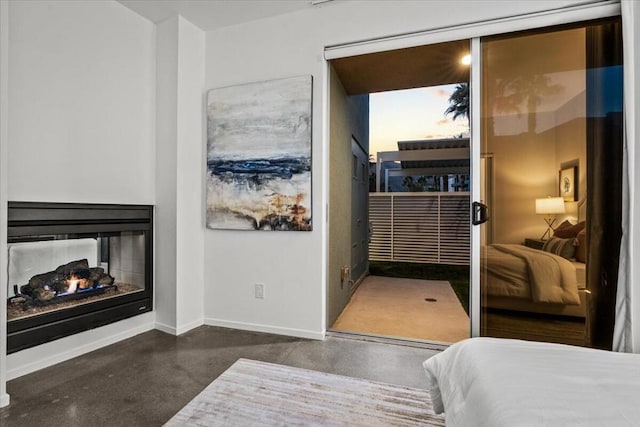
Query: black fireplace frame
(27, 219)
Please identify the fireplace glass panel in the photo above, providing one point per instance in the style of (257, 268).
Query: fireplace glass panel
(75, 267)
(51, 273)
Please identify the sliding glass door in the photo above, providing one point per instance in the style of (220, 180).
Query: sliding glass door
(550, 120)
(545, 147)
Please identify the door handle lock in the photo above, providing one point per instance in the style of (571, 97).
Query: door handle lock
(479, 213)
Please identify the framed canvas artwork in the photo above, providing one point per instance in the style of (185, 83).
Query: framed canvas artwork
(259, 156)
(568, 181)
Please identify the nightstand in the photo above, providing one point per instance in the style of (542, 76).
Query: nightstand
(534, 243)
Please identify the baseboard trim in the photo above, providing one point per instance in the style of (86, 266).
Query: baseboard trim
(27, 368)
(166, 328)
(180, 330)
(277, 330)
(189, 326)
(4, 400)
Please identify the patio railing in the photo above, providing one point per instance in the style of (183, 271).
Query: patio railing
(429, 228)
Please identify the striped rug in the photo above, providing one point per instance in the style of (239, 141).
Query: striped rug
(252, 393)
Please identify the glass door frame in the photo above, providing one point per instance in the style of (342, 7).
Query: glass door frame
(473, 31)
(475, 114)
(475, 87)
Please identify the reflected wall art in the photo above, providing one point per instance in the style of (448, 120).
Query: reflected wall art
(259, 156)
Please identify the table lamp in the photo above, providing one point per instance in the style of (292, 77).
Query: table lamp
(549, 207)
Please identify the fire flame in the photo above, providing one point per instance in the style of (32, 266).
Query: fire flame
(74, 283)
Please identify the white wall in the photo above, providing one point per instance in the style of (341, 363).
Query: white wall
(81, 115)
(82, 112)
(180, 176)
(292, 264)
(166, 161)
(190, 178)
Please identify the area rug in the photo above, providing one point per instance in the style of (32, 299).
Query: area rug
(252, 393)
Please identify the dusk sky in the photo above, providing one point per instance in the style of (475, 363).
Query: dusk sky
(411, 114)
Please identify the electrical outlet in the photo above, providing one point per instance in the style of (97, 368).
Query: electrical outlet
(259, 287)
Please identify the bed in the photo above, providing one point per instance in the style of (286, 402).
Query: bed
(520, 278)
(501, 382)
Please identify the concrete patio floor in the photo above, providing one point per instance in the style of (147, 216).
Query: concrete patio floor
(403, 308)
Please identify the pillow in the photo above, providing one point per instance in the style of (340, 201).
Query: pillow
(564, 224)
(563, 247)
(581, 249)
(566, 230)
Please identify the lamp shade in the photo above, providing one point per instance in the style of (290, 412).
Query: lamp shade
(550, 205)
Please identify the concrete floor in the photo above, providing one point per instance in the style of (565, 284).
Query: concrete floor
(426, 310)
(145, 380)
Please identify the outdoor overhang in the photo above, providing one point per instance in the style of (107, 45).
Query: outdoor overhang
(413, 67)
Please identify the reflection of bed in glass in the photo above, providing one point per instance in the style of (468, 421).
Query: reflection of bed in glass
(524, 279)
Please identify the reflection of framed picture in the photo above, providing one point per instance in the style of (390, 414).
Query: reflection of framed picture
(568, 181)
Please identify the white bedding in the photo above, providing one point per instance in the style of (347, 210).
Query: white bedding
(499, 382)
(521, 272)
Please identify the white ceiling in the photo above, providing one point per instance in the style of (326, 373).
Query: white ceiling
(213, 14)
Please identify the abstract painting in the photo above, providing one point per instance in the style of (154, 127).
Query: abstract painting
(259, 156)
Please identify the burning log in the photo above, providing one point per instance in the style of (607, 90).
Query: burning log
(66, 279)
(105, 279)
(43, 294)
(73, 267)
(55, 280)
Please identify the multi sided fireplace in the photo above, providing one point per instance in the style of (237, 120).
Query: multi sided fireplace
(74, 267)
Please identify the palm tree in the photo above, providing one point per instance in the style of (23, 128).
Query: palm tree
(512, 92)
(459, 102)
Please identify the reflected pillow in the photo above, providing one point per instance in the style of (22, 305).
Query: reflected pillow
(566, 248)
(566, 230)
(581, 249)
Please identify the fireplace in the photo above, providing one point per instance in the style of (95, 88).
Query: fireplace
(74, 267)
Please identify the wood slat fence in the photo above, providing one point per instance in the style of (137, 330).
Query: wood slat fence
(429, 227)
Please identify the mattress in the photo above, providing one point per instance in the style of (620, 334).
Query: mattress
(499, 382)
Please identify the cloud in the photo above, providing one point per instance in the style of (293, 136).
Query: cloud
(442, 93)
(438, 136)
(444, 121)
